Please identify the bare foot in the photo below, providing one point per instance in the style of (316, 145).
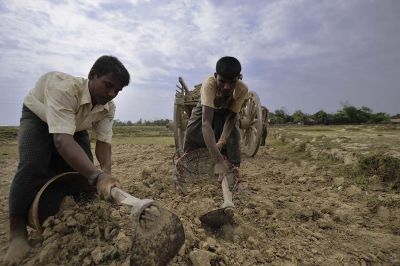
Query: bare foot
(17, 251)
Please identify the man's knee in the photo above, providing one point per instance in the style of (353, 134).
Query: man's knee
(28, 179)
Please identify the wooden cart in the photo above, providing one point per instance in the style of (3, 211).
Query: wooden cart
(250, 118)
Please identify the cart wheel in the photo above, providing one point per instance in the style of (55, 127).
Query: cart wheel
(251, 124)
(180, 121)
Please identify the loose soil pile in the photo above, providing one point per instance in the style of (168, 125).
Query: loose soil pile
(89, 233)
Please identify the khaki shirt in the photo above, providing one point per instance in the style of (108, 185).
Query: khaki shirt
(64, 103)
(209, 89)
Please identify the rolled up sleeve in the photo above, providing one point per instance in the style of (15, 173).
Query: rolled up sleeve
(60, 104)
(207, 92)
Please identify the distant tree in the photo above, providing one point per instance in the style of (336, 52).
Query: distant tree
(364, 114)
(141, 122)
(349, 114)
(366, 109)
(117, 122)
(280, 116)
(321, 117)
(299, 117)
(379, 118)
(339, 118)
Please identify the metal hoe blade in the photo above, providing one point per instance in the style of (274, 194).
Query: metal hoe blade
(217, 218)
(158, 243)
(224, 215)
(157, 233)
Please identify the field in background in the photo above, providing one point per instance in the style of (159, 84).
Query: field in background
(142, 135)
(346, 144)
(8, 142)
(355, 139)
(122, 135)
(367, 154)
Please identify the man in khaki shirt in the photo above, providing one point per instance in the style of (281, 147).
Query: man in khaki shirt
(53, 138)
(214, 121)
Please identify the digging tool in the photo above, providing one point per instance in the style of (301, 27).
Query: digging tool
(224, 215)
(158, 233)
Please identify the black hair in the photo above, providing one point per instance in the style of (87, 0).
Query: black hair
(228, 67)
(110, 64)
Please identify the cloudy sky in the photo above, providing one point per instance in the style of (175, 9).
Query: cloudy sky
(297, 54)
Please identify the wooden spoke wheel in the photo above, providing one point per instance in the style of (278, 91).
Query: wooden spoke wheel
(251, 124)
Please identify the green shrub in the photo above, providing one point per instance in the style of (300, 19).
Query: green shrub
(384, 166)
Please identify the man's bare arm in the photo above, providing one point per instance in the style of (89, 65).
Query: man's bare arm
(220, 165)
(76, 157)
(103, 155)
(73, 154)
(228, 126)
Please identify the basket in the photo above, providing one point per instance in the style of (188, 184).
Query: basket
(47, 201)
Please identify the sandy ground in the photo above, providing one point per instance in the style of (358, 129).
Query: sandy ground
(290, 212)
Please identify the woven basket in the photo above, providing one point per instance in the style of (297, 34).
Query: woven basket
(198, 162)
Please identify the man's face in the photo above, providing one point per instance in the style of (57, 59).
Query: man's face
(104, 88)
(226, 86)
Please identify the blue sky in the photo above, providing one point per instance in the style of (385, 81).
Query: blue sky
(306, 55)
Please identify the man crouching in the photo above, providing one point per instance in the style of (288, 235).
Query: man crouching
(214, 122)
(53, 138)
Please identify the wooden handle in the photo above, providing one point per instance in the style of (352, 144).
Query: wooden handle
(122, 197)
(138, 205)
(227, 194)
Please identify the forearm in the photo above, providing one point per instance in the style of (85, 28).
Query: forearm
(103, 155)
(228, 126)
(208, 133)
(74, 155)
(210, 142)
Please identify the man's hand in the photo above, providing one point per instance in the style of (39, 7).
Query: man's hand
(104, 185)
(221, 143)
(221, 168)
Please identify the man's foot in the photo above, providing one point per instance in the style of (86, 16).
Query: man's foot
(179, 187)
(17, 251)
(238, 177)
